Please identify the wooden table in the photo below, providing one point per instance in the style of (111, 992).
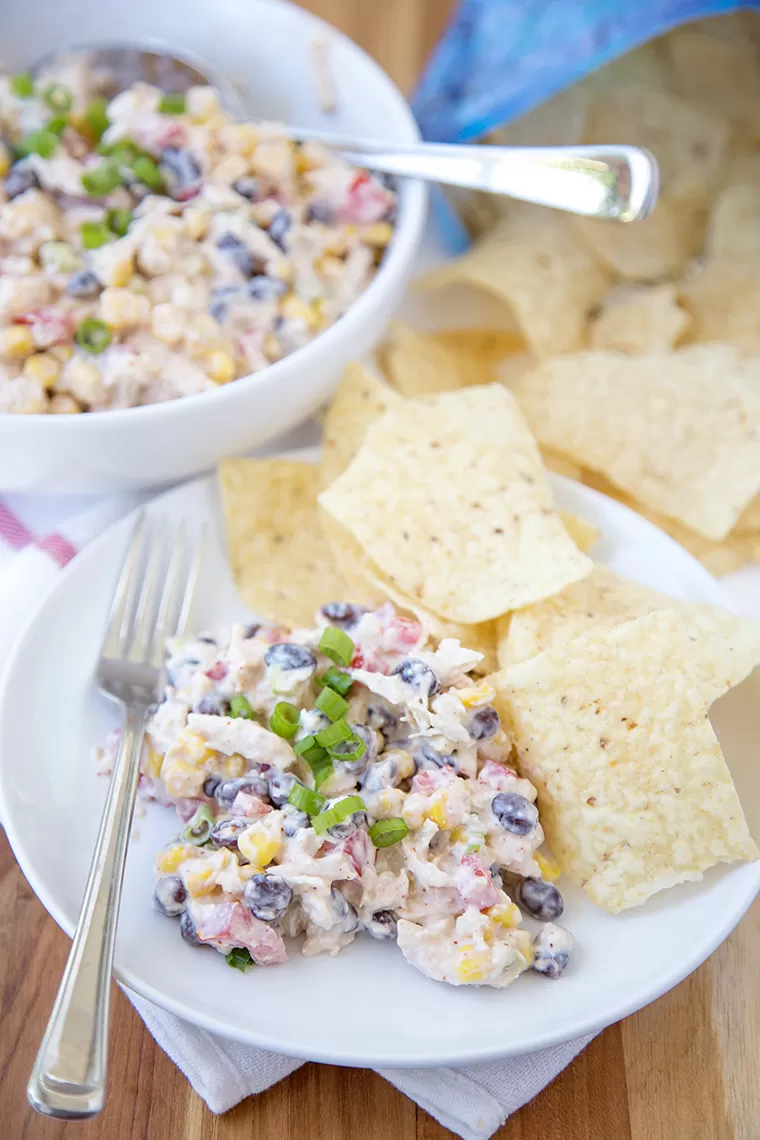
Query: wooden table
(686, 1068)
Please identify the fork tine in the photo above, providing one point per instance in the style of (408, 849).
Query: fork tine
(145, 611)
(169, 606)
(122, 604)
(192, 584)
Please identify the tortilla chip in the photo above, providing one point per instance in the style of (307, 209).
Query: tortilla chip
(361, 398)
(282, 565)
(725, 648)
(492, 344)
(749, 519)
(678, 431)
(557, 463)
(419, 365)
(534, 262)
(733, 230)
(720, 74)
(448, 498)
(639, 320)
(723, 298)
(560, 121)
(633, 788)
(583, 533)
(511, 368)
(646, 251)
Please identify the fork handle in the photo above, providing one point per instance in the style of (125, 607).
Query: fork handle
(69, 1075)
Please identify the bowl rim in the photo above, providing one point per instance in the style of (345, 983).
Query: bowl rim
(407, 234)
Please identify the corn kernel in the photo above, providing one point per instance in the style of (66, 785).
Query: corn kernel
(234, 765)
(200, 881)
(203, 336)
(437, 811)
(180, 778)
(257, 847)
(329, 265)
(231, 167)
(294, 309)
(272, 347)
(5, 160)
(196, 223)
(377, 234)
(550, 871)
(390, 803)
(170, 859)
(283, 268)
(153, 762)
(42, 367)
(239, 138)
(475, 695)
(195, 748)
(62, 352)
(61, 404)
(471, 965)
(81, 379)
(166, 324)
(507, 915)
(16, 342)
(524, 945)
(122, 271)
(121, 309)
(459, 835)
(221, 367)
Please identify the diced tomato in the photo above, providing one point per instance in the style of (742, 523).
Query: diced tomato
(227, 925)
(249, 805)
(49, 326)
(474, 883)
(186, 808)
(187, 193)
(496, 776)
(431, 780)
(359, 850)
(217, 672)
(367, 201)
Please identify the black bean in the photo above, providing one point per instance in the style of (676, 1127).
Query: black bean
(210, 784)
(294, 821)
(263, 288)
(344, 911)
(280, 786)
(183, 168)
(20, 178)
(279, 226)
(207, 640)
(484, 723)
(252, 631)
(550, 963)
(240, 255)
(170, 895)
(426, 758)
(225, 832)
(343, 614)
(418, 675)
(514, 812)
(379, 776)
(219, 305)
(83, 284)
(349, 825)
(496, 876)
(383, 925)
(381, 718)
(187, 929)
(227, 790)
(288, 655)
(248, 187)
(320, 212)
(267, 896)
(212, 706)
(541, 900)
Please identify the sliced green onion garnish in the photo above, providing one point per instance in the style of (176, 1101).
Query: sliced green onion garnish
(57, 125)
(37, 142)
(308, 748)
(199, 828)
(331, 704)
(101, 179)
(241, 706)
(95, 234)
(336, 679)
(172, 104)
(239, 958)
(93, 336)
(123, 152)
(316, 757)
(58, 98)
(338, 813)
(386, 832)
(96, 117)
(337, 645)
(285, 720)
(305, 799)
(22, 85)
(118, 221)
(348, 750)
(147, 171)
(334, 734)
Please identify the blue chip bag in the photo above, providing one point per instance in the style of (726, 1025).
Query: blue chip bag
(501, 58)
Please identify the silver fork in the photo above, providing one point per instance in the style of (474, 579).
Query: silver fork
(69, 1076)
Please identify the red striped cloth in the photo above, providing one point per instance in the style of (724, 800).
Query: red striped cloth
(15, 533)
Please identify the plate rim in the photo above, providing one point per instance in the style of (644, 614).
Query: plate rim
(130, 981)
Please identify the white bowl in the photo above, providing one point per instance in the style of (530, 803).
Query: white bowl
(265, 46)
(367, 1006)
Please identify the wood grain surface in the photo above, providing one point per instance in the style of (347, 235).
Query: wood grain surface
(685, 1068)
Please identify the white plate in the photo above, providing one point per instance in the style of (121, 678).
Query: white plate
(365, 1007)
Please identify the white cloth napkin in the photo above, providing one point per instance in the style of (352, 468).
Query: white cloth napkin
(38, 536)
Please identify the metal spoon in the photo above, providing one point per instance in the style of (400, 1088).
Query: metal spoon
(618, 182)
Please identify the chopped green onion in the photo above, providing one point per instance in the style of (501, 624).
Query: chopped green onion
(308, 748)
(96, 117)
(37, 142)
(172, 104)
(239, 958)
(199, 828)
(305, 799)
(58, 97)
(316, 757)
(147, 171)
(95, 234)
(338, 813)
(57, 125)
(334, 734)
(386, 832)
(331, 704)
(336, 679)
(118, 221)
(123, 152)
(240, 706)
(22, 85)
(337, 645)
(343, 750)
(285, 720)
(93, 336)
(101, 179)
